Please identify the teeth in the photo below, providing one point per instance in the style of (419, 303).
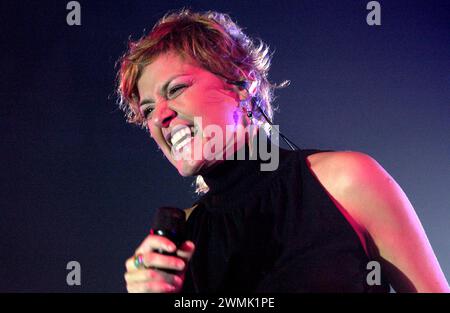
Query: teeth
(181, 137)
(183, 142)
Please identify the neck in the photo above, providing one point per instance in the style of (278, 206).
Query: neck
(242, 167)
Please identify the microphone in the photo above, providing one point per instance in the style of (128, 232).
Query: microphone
(169, 222)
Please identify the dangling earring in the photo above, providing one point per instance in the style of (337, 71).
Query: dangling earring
(246, 109)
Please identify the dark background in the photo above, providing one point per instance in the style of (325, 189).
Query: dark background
(78, 183)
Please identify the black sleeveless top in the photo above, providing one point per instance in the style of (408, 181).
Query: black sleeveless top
(275, 231)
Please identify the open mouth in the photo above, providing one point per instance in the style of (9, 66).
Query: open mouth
(181, 136)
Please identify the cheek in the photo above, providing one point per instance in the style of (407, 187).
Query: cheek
(151, 129)
(156, 134)
(214, 108)
(223, 116)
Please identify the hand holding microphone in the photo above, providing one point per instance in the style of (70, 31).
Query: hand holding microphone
(160, 261)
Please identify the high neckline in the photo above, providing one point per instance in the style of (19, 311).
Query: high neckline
(233, 173)
(240, 172)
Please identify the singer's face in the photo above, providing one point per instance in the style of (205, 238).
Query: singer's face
(186, 107)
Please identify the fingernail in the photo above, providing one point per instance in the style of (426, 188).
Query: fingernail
(170, 288)
(177, 280)
(169, 248)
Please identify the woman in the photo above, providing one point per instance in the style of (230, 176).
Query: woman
(322, 221)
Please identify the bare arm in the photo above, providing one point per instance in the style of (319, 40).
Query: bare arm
(380, 206)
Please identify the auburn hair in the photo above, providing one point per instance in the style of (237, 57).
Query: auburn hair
(211, 39)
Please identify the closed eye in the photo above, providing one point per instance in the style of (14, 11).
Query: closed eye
(172, 93)
(147, 111)
(175, 91)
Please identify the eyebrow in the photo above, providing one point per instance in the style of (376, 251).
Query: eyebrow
(163, 89)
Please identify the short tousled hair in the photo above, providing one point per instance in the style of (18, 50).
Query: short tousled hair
(211, 39)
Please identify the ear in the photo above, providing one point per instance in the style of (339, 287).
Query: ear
(243, 94)
(246, 89)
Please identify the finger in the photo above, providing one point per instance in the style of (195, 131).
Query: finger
(166, 262)
(142, 275)
(153, 275)
(130, 265)
(154, 242)
(186, 250)
(153, 286)
(157, 260)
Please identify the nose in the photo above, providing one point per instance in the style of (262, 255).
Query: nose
(163, 115)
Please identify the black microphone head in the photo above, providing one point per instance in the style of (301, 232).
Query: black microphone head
(170, 222)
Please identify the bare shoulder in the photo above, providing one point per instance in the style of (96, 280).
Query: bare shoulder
(353, 177)
(383, 217)
(334, 160)
(349, 177)
(336, 169)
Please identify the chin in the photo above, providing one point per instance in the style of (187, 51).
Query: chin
(189, 168)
